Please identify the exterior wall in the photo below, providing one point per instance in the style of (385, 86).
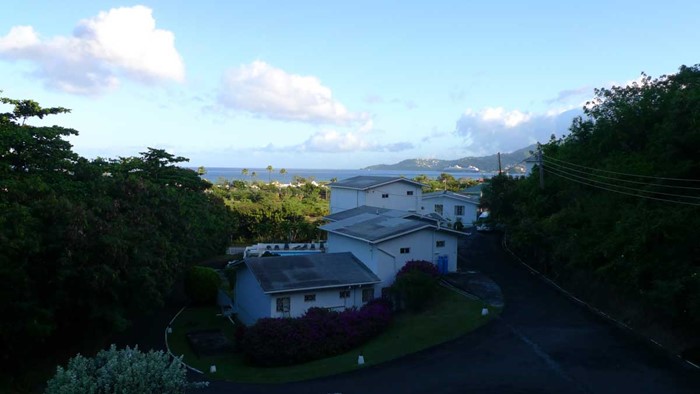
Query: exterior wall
(325, 298)
(250, 301)
(386, 259)
(448, 204)
(344, 199)
(397, 197)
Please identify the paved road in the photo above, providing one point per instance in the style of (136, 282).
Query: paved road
(542, 343)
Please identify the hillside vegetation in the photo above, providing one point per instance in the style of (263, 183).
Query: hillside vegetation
(84, 244)
(617, 220)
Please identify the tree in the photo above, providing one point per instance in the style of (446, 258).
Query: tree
(253, 175)
(201, 171)
(244, 172)
(122, 371)
(618, 215)
(283, 172)
(269, 174)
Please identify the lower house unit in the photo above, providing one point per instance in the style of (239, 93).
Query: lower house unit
(385, 240)
(287, 286)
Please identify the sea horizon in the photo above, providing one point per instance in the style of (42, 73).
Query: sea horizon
(216, 174)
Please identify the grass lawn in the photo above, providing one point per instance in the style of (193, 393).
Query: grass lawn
(452, 316)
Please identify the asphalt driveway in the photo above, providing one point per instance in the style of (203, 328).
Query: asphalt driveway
(541, 343)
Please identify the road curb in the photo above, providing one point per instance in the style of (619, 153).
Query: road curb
(167, 346)
(593, 309)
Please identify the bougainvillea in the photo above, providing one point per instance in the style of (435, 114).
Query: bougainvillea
(319, 333)
(423, 266)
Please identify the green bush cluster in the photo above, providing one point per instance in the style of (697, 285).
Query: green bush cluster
(202, 285)
(416, 285)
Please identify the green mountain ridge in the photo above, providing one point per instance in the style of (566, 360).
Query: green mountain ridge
(511, 162)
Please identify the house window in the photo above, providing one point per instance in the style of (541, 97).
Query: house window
(309, 297)
(385, 195)
(438, 209)
(367, 295)
(283, 304)
(459, 210)
(344, 294)
(439, 244)
(405, 250)
(409, 193)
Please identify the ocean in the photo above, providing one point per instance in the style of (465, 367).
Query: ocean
(215, 174)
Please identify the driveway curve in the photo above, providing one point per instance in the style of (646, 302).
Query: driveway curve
(541, 343)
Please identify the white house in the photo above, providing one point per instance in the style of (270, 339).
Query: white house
(384, 240)
(287, 286)
(451, 206)
(376, 191)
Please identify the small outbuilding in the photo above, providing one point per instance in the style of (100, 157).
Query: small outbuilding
(287, 286)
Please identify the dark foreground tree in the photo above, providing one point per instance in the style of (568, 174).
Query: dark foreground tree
(127, 371)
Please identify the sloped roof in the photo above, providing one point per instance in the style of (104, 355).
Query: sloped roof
(375, 228)
(309, 272)
(456, 196)
(476, 189)
(348, 213)
(364, 182)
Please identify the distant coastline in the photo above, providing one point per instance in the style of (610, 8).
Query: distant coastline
(324, 175)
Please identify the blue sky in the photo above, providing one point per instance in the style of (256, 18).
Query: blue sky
(330, 84)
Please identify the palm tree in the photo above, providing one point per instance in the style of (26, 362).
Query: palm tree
(269, 174)
(252, 176)
(244, 172)
(283, 172)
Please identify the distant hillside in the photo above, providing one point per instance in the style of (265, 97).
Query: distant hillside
(509, 162)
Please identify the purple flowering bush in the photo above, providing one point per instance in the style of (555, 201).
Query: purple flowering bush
(423, 266)
(319, 333)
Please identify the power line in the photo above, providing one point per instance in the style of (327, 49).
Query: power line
(561, 166)
(623, 173)
(554, 172)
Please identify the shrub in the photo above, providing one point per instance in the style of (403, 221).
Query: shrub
(122, 371)
(415, 289)
(202, 284)
(459, 226)
(423, 266)
(319, 333)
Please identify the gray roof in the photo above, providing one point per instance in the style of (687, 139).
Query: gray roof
(363, 182)
(472, 199)
(375, 228)
(308, 272)
(348, 213)
(476, 189)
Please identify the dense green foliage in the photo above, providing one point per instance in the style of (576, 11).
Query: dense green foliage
(267, 212)
(202, 284)
(121, 371)
(416, 285)
(444, 181)
(83, 243)
(618, 216)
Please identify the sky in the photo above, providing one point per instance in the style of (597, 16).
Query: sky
(297, 84)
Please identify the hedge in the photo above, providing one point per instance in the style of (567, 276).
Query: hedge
(317, 334)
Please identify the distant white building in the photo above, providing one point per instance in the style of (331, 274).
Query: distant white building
(451, 206)
(384, 240)
(376, 191)
(287, 286)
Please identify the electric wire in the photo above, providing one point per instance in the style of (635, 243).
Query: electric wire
(548, 161)
(553, 172)
(623, 173)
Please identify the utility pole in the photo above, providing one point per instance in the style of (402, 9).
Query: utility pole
(540, 164)
(499, 164)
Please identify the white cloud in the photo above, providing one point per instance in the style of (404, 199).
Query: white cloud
(122, 42)
(333, 141)
(498, 130)
(267, 91)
